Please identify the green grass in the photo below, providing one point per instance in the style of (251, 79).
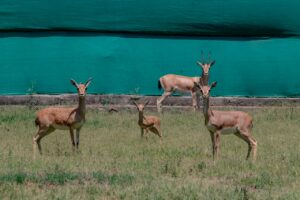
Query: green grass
(115, 163)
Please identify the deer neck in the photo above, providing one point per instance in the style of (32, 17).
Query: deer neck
(81, 106)
(204, 78)
(207, 112)
(141, 117)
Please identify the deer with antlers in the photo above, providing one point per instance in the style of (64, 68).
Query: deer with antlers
(51, 118)
(148, 123)
(226, 122)
(171, 83)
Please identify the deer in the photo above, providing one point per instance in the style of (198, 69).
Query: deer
(171, 83)
(226, 122)
(52, 118)
(148, 123)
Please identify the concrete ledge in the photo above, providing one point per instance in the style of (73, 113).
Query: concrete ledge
(126, 100)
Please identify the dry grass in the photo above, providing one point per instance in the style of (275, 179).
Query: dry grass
(115, 163)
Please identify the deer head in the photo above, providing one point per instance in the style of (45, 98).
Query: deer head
(141, 106)
(205, 89)
(81, 88)
(205, 65)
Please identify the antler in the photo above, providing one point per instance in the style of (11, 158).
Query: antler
(209, 57)
(201, 62)
(88, 82)
(202, 57)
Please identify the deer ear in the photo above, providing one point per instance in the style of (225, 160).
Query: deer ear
(214, 84)
(196, 85)
(212, 63)
(73, 82)
(88, 82)
(199, 63)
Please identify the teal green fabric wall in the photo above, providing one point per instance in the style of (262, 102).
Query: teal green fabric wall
(121, 64)
(126, 45)
(187, 17)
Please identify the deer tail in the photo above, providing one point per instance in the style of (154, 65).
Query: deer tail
(159, 84)
(251, 125)
(37, 122)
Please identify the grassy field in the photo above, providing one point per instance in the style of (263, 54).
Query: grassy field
(115, 163)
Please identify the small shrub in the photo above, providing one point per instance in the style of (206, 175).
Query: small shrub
(114, 179)
(242, 193)
(201, 166)
(170, 169)
(18, 178)
(60, 177)
(260, 182)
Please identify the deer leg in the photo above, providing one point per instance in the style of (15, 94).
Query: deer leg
(213, 143)
(72, 138)
(252, 144)
(217, 137)
(146, 133)
(142, 132)
(161, 99)
(194, 99)
(254, 147)
(157, 132)
(36, 143)
(42, 132)
(247, 141)
(77, 137)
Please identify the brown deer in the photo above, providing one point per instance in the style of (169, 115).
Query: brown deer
(51, 118)
(226, 122)
(148, 123)
(172, 83)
